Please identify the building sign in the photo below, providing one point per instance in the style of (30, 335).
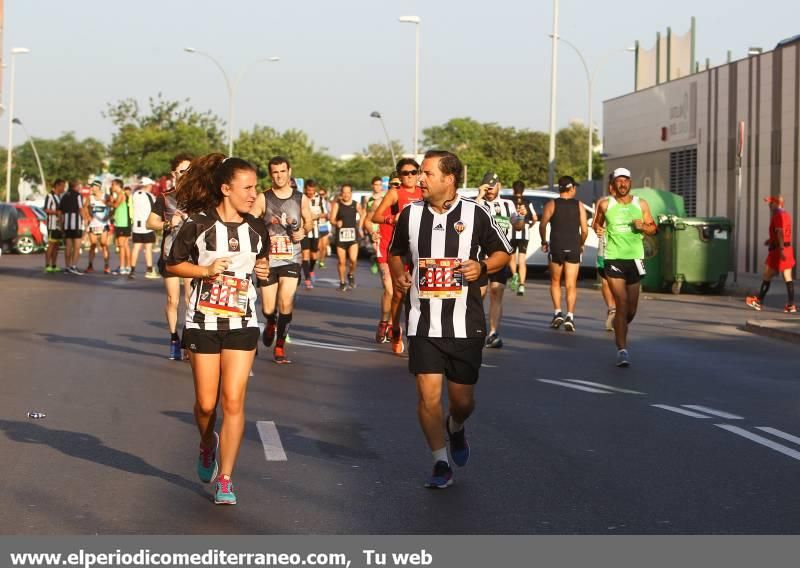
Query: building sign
(682, 118)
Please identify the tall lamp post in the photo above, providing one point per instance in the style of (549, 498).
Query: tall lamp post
(416, 20)
(590, 79)
(35, 153)
(14, 52)
(376, 114)
(551, 156)
(231, 86)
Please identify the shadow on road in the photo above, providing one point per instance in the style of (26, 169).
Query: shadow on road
(95, 344)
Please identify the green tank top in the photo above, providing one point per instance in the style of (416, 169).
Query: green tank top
(122, 214)
(622, 242)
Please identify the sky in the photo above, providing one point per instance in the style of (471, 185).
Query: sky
(340, 61)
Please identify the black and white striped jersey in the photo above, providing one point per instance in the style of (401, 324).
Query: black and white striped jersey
(319, 206)
(52, 202)
(441, 305)
(502, 210)
(201, 240)
(525, 233)
(71, 206)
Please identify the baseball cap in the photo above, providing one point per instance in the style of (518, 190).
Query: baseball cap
(96, 183)
(490, 179)
(621, 172)
(146, 181)
(565, 183)
(776, 199)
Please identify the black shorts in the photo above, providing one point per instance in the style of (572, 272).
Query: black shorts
(98, 231)
(73, 234)
(629, 270)
(519, 245)
(562, 256)
(55, 236)
(501, 276)
(284, 271)
(122, 231)
(345, 246)
(212, 342)
(144, 238)
(458, 359)
(163, 270)
(310, 243)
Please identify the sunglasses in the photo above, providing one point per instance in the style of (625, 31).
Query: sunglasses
(395, 184)
(409, 172)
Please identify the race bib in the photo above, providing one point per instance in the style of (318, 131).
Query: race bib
(281, 247)
(437, 278)
(640, 266)
(96, 230)
(347, 234)
(223, 296)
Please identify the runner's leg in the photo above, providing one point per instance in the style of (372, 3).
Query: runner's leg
(555, 285)
(206, 373)
(235, 369)
(496, 290)
(571, 283)
(429, 409)
(619, 289)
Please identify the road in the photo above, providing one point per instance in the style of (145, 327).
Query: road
(700, 435)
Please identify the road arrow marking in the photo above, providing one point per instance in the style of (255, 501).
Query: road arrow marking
(573, 386)
(780, 434)
(271, 440)
(680, 411)
(607, 387)
(712, 411)
(760, 440)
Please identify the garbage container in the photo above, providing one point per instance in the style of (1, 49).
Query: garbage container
(696, 251)
(662, 203)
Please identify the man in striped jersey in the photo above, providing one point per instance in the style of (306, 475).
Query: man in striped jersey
(55, 233)
(444, 234)
(310, 244)
(75, 214)
(520, 238)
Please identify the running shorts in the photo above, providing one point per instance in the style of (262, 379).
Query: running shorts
(55, 236)
(144, 238)
(310, 243)
(73, 234)
(562, 256)
(775, 262)
(519, 245)
(501, 276)
(459, 360)
(283, 271)
(122, 231)
(629, 270)
(213, 342)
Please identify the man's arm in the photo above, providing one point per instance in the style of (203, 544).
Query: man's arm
(398, 249)
(305, 211)
(259, 207)
(85, 211)
(597, 226)
(547, 213)
(584, 223)
(335, 214)
(388, 201)
(646, 224)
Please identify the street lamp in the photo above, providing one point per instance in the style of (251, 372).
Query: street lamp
(231, 86)
(590, 78)
(416, 20)
(376, 114)
(35, 153)
(14, 52)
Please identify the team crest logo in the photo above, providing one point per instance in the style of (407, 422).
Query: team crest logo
(459, 226)
(233, 244)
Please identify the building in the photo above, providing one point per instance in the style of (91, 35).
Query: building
(684, 136)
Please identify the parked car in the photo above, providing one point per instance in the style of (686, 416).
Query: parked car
(30, 237)
(8, 227)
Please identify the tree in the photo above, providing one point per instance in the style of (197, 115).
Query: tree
(375, 160)
(144, 144)
(571, 152)
(64, 157)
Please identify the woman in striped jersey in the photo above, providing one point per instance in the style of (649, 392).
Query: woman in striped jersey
(219, 246)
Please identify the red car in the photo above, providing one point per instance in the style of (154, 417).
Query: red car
(31, 227)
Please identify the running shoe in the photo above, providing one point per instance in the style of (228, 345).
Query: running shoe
(494, 341)
(76, 271)
(623, 360)
(47, 269)
(313, 277)
(790, 309)
(279, 355)
(521, 290)
(374, 268)
(380, 335)
(351, 280)
(753, 302)
(308, 284)
(106, 270)
(569, 324)
(610, 319)
(557, 320)
(151, 275)
(207, 462)
(322, 264)
(514, 284)
(459, 447)
(269, 333)
(342, 287)
(223, 494)
(89, 269)
(175, 350)
(442, 477)
(397, 341)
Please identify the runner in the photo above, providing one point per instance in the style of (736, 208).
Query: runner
(520, 238)
(55, 232)
(446, 324)
(121, 200)
(568, 231)
(310, 244)
(780, 259)
(627, 218)
(98, 226)
(74, 215)
(143, 200)
(344, 216)
(608, 298)
(287, 214)
(221, 329)
(504, 213)
(392, 204)
(368, 228)
(324, 227)
(167, 217)
(381, 243)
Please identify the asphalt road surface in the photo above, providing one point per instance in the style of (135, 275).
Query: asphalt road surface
(700, 435)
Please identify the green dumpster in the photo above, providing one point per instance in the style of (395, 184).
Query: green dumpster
(662, 204)
(696, 251)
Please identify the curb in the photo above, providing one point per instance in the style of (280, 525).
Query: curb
(779, 329)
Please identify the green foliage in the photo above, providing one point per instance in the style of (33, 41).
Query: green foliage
(64, 157)
(375, 160)
(145, 143)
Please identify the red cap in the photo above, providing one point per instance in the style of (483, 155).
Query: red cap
(776, 199)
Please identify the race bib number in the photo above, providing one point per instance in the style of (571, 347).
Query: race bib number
(347, 234)
(223, 296)
(96, 230)
(640, 266)
(438, 279)
(503, 222)
(281, 247)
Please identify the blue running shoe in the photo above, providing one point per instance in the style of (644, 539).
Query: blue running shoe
(207, 466)
(175, 351)
(459, 447)
(224, 494)
(442, 477)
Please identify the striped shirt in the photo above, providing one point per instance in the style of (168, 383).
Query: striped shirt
(525, 233)
(71, 205)
(318, 206)
(204, 238)
(464, 231)
(52, 202)
(502, 210)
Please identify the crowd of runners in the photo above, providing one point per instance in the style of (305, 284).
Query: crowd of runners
(230, 251)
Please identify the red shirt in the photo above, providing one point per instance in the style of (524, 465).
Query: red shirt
(780, 220)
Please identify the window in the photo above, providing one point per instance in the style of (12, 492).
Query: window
(683, 177)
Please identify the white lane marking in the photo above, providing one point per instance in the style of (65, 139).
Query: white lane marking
(713, 411)
(489, 366)
(602, 386)
(572, 386)
(779, 434)
(761, 440)
(271, 440)
(331, 346)
(680, 411)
